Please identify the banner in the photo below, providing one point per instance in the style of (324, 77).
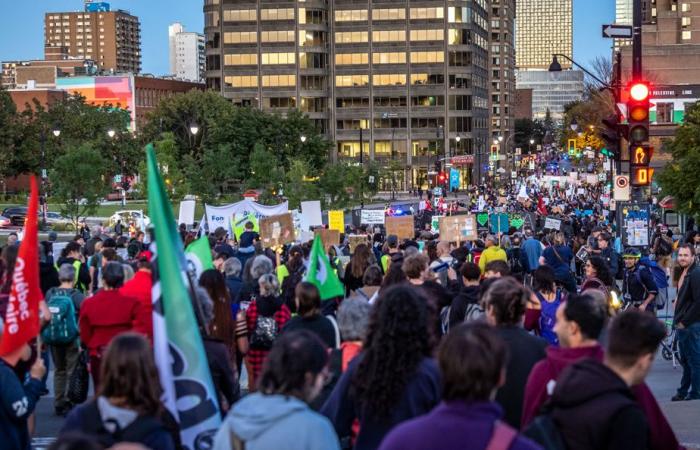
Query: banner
(22, 316)
(220, 216)
(186, 214)
(188, 390)
(239, 221)
(454, 179)
(372, 217)
(198, 255)
(336, 220)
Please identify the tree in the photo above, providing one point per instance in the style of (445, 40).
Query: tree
(78, 181)
(176, 181)
(681, 177)
(299, 184)
(265, 174)
(526, 129)
(8, 125)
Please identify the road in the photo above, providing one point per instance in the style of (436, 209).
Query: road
(663, 380)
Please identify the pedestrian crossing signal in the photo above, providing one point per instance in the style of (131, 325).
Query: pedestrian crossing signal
(641, 176)
(572, 147)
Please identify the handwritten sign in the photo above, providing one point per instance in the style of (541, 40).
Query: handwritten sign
(552, 224)
(336, 220)
(328, 237)
(277, 230)
(458, 228)
(402, 227)
(372, 217)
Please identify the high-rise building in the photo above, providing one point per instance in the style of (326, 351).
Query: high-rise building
(502, 71)
(385, 80)
(543, 27)
(111, 38)
(187, 58)
(551, 91)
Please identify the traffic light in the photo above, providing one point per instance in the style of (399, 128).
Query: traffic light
(641, 176)
(494, 153)
(442, 177)
(638, 112)
(640, 157)
(572, 147)
(438, 166)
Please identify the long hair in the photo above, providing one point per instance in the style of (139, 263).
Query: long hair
(9, 256)
(398, 338)
(360, 260)
(223, 326)
(128, 371)
(602, 270)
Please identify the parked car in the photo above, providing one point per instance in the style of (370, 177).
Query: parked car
(5, 222)
(56, 220)
(16, 214)
(141, 220)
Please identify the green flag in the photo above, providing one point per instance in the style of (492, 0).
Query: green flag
(198, 255)
(188, 390)
(322, 274)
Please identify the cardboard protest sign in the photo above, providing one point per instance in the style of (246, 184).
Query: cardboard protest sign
(277, 230)
(336, 220)
(356, 239)
(499, 223)
(458, 228)
(402, 227)
(329, 238)
(552, 224)
(483, 220)
(372, 217)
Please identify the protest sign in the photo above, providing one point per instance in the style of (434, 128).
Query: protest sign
(372, 217)
(329, 238)
(552, 224)
(311, 214)
(458, 228)
(499, 223)
(277, 230)
(402, 227)
(221, 216)
(356, 239)
(336, 220)
(186, 214)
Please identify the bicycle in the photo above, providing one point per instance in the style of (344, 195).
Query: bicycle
(669, 346)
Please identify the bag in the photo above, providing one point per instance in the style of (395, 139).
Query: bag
(472, 313)
(79, 380)
(63, 327)
(658, 273)
(137, 431)
(620, 275)
(543, 431)
(516, 265)
(265, 333)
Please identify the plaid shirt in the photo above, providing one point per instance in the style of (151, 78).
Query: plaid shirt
(256, 358)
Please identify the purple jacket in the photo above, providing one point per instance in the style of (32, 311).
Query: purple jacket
(454, 425)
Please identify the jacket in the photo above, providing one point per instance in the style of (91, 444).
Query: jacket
(492, 253)
(533, 250)
(223, 372)
(277, 422)
(450, 426)
(594, 409)
(524, 351)
(421, 394)
(82, 276)
(688, 301)
(468, 295)
(104, 316)
(18, 403)
(140, 288)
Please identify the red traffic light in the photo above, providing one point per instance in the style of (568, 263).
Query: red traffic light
(639, 91)
(442, 177)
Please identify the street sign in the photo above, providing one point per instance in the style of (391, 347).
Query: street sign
(617, 31)
(622, 188)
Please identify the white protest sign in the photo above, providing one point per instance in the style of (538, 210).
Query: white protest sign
(552, 224)
(186, 214)
(311, 215)
(372, 217)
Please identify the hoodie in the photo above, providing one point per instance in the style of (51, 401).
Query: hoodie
(593, 408)
(544, 375)
(276, 422)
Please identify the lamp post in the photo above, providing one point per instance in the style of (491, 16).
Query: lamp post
(124, 185)
(45, 202)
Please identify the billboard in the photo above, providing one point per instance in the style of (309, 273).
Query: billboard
(117, 91)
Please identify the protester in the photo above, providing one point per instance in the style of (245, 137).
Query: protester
(355, 269)
(504, 303)
(308, 307)
(127, 405)
(371, 281)
(558, 256)
(416, 269)
(258, 266)
(492, 252)
(265, 317)
(394, 378)
(105, 315)
(532, 249)
(234, 283)
(472, 362)
(443, 263)
(598, 275)
(607, 253)
(140, 287)
(395, 275)
(64, 354)
(686, 319)
(71, 254)
(465, 305)
(542, 306)
(497, 269)
(592, 404)
(638, 286)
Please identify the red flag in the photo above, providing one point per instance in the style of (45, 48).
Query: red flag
(541, 208)
(22, 317)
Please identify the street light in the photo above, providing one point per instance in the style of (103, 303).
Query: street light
(111, 133)
(56, 132)
(532, 141)
(302, 138)
(574, 125)
(194, 129)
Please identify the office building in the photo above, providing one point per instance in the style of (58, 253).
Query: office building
(502, 71)
(111, 38)
(543, 27)
(57, 64)
(551, 91)
(187, 57)
(402, 83)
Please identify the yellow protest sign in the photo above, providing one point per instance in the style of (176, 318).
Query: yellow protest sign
(336, 220)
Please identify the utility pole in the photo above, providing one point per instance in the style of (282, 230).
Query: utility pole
(637, 192)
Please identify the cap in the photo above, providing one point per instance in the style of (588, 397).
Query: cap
(53, 236)
(392, 240)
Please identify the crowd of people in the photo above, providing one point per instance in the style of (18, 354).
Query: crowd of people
(509, 341)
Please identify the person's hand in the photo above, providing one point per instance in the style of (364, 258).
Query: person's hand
(451, 274)
(38, 369)
(680, 326)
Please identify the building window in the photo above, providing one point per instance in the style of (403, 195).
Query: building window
(427, 13)
(389, 58)
(686, 35)
(351, 149)
(313, 60)
(427, 79)
(664, 113)
(277, 14)
(240, 15)
(280, 102)
(241, 81)
(346, 59)
(277, 36)
(428, 100)
(351, 15)
(240, 37)
(351, 80)
(351, 37)
(427, 35)
(352, 102)
(278, 58)
(279, 80)
(389, 14)
(389, 36)
(458, 14)
(389, 79)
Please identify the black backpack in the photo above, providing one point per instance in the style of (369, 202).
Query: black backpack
(137, 431)
(516, 265)
(289, 285)
(544, 431)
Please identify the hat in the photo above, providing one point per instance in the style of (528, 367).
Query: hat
(53, 236)
(632, 252)
(145, 254)
(392, 240)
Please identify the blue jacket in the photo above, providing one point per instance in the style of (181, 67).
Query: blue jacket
(277, 422)
(18, 402)
(453, 425)
(533, 250)
(421, 394)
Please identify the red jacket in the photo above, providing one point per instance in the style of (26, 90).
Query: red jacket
(140, 287)
(547, 371)
(104, 316)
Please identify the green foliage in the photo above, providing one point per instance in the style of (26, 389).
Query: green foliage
(299, 184)
(526, 129)
(345, 184)
(176, 182)
(599, 106)
(681, 178)
(78, 181)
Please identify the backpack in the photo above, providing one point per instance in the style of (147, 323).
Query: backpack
(137, 431)
(473, 312)
(544, 431)
(514, 262)
(63, 327)
(657, 272)
(264, 334)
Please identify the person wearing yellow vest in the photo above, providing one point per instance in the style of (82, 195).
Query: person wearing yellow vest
(71, 255)
(492, 252)
(392, 243)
